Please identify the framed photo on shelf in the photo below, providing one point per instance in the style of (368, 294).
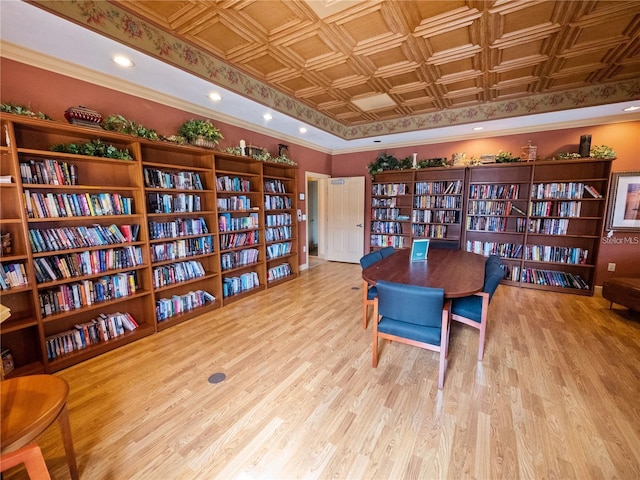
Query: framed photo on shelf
(623, 212)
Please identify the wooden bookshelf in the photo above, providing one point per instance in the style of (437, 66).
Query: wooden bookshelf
(496, 213)
(79, 257)
(179, 186)
(107, 237)
(537, 216)
(240, 202)
(391, 209)
(280, 184)
(438, 205)
(565, 225)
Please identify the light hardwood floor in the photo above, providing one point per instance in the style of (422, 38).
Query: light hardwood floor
(557, 395)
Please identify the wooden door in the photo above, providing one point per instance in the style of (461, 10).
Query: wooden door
(345, 219)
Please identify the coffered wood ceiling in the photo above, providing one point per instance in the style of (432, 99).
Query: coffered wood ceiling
(358, 68)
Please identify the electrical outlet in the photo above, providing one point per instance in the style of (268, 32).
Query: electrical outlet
(611, 267)
(304, 249)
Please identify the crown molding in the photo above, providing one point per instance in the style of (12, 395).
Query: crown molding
(36, 59)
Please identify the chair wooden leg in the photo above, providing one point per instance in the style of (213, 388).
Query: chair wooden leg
(365, 304)
(483, 326)
(31, 456)
(375, 333)
(65, 429)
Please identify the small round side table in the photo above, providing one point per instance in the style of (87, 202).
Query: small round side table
(28, 406)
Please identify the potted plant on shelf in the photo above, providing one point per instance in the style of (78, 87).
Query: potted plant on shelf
(201, 133)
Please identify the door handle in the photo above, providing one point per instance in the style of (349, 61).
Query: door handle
(360, 225)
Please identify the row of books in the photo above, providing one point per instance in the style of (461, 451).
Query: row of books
(240, 239)
(54, 205)
(155, 178)
(101, 329)
(429, 231)
(386, 227)
(177, 304)
(48, 172)
(433, 201)
(183, 248)
(178, 203)
(490, 207)
(494, 191)
(435, 216)
(239, 258)
(385, 213)
(274, 220)
(505, 250)
(549, 226)
(548, 253)
(234, 203)
(555, 209)
(12, 275)
(57, 267)
(276, 234)
(278, 272)
(396, 241)
(389, 189)
(487, 224)
(233, 184)
(66, 238)
(439, 188)
(383, 202)
(276, 250)
(176, 273)
(553, 278)
(274, 186)
(566, 190)
(276, 202)
(227, 223)
(235, 285)
(72, 296)
(180, 227)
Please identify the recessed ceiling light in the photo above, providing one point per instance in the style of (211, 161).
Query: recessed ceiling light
(302, 130)
(216, 97)
(478, 128)
(631, 109)
(267, 116)
(123, 61)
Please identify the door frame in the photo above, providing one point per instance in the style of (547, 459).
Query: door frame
(322, 209)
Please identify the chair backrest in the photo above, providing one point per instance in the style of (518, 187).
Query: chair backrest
(386, 251)
(443, 244)
(493, 259)
(370, 258)
(410, 303)
(493, 274)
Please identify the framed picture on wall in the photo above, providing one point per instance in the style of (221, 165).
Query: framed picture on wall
(623, 212)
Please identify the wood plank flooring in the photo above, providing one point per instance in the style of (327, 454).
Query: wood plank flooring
(555, 397)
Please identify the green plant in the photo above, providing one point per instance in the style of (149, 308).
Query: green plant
(384, 161)
(118, 123)
(602, 151)
(192, 129)
(506, 157)
(567, 155)
(94, 148)
(22, 110)
(432, 162)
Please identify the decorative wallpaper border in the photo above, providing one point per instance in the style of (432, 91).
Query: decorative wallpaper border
(111, 21)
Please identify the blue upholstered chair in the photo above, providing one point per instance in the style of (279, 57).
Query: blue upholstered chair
(386, 251)
(472, 310)
(368, 291)
(417, 316)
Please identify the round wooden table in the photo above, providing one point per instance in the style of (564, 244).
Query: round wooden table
(28, 406)
(459, 273)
